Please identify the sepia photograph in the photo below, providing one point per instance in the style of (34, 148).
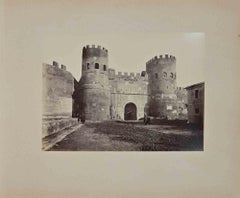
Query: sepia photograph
(155, 106)
(119, 98)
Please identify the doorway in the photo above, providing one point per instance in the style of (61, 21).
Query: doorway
(130, 111)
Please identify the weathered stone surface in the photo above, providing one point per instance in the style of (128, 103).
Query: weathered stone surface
(92, 95)
(162, 100)
(102, 94)
(196, 103)
(54, 124)
(58, 85)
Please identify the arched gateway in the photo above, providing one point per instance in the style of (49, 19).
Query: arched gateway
(130, 111)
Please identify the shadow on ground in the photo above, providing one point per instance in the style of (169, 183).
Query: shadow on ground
(135, 136)
(154, 137)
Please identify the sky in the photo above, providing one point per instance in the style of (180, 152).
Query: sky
(132, 33)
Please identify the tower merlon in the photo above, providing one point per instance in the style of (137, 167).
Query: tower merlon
(94, 51)
(63, 67)
(55, 63)
(99, 47)
(161, 59)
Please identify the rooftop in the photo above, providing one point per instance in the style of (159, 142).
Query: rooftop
(195, 85)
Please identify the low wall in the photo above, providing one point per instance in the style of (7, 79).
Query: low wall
(54, 124)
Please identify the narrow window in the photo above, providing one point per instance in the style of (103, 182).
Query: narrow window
(171, 75)
(96, 66)
(88, 65)
(196, 93)
(165, 74)
(156, 75)
(104, 67)
(197, 110)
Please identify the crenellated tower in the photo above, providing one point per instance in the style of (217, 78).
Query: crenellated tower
(103, 94)
(161, 87)
(95, 97)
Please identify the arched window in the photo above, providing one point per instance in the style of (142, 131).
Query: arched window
(104, 67)
(171, 75)
(96, 66)
(88, 65)
(156, 75)
(165, 74)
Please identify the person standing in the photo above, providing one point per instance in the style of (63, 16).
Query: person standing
(83, 118)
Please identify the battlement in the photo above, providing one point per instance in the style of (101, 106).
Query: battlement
(181, 89)
(125, 75)
(97, 47)
(55, 65)
(167, 59)
(130, 76)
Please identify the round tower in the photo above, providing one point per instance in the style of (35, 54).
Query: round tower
(161, 86)
(95, 90)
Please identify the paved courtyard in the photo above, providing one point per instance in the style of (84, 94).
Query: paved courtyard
(129, 136)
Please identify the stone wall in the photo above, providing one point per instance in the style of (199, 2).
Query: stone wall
(162, 100)
(94, 101)
(125, 89)
(103, 94)
(58, 85)
(181, 94)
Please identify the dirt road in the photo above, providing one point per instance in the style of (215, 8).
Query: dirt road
(116, 136)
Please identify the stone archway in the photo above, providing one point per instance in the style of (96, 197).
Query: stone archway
(130, 111)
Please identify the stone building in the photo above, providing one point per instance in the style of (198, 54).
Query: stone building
(103, 94)
(195, 107)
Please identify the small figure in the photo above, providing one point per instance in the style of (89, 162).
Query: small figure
(146, 119)
(83, 119)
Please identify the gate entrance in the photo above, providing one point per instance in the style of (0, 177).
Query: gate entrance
(130, 111)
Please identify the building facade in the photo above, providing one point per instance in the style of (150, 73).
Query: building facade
(195, 105)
